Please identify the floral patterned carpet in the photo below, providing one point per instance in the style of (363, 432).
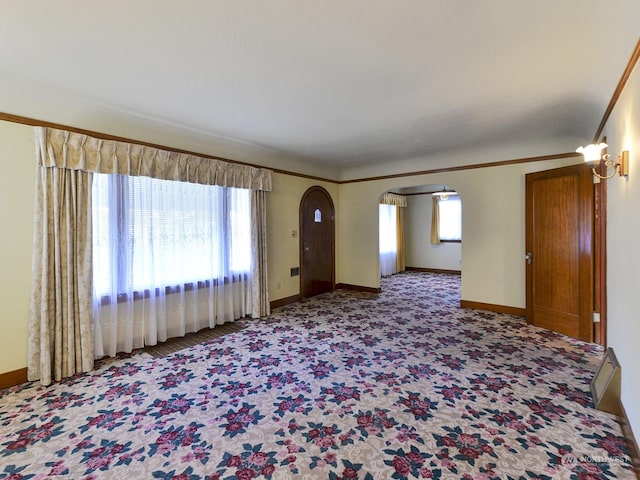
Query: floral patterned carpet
(404, 384)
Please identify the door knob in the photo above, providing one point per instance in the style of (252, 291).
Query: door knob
(528, 257)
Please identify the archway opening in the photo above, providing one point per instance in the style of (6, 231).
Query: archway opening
(428, 230)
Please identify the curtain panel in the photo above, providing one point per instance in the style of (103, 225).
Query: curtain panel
(401, 263)
(60, 319)
(260, 302)
(435, 220)
(76, 151)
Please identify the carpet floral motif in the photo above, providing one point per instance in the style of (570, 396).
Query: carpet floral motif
(405, 384)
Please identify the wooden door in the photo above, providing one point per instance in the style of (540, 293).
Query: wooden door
(560, 250)
(317, 243)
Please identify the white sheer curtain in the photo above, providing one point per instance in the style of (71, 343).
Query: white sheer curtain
(450, 219)
(388, 239)
(169, 258)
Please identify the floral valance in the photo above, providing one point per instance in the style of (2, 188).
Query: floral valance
(394, 199)
(76, 151)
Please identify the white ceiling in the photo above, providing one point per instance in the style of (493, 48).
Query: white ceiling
(338, 82)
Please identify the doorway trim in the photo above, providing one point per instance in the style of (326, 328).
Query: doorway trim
(600, 255)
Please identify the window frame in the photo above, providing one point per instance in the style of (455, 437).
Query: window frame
(390, 208)
(459, 200)
(118, 187)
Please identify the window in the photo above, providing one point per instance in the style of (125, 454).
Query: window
(150, 233)
(388, 238)
(387, 225)
(450, 219)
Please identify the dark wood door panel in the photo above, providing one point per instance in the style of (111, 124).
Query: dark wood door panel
(556, 219)
(317, 238)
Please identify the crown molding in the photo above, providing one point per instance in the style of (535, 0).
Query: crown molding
(633, 60)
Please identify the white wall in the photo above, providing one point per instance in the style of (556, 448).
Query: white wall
(493, 204)
(417, 235)
(17, 182)
(623, 237)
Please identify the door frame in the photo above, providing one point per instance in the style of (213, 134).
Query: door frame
(316, 188)
(600, 254)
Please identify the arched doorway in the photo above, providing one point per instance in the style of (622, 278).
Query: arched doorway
(420, 251)
(317, 242)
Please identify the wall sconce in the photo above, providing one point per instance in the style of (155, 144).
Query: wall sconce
(444, 193)
(593, 154)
